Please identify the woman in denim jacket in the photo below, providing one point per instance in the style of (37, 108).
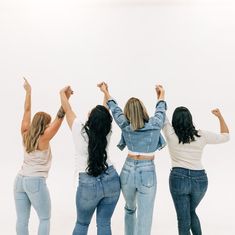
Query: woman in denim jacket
(142, 137)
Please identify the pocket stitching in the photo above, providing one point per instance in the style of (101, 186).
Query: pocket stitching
(142, 181)
(29, 187)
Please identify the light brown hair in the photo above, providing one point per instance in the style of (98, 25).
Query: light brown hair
(39, 124)
(136, 113)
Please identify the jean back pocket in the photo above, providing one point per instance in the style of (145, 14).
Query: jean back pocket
(147, 178)
(87, 192)
(32, 185)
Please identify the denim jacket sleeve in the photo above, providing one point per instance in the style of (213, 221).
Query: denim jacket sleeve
(159, 116)
(161, 142)
(122, 143)
(118, 114)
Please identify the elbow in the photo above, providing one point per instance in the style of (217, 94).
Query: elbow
(226, 136)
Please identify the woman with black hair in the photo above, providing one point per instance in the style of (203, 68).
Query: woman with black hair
(188, 180)
(99, 184)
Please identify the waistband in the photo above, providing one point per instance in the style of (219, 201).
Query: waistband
(132, 161)
(83, 175)
(188, 172)
(30, 177)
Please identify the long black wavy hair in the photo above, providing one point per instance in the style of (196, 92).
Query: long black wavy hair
(182, 123)
(97, 128)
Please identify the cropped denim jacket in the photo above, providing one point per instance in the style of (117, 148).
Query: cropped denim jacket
(145, 140)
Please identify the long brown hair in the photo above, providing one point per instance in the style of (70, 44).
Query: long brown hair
(39, 124)
(136, 113)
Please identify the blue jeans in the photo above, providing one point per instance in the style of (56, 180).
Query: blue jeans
(32, 191)
(139, 183)
(99, 193)
(187, 187)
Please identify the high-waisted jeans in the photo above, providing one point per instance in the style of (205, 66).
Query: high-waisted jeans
(32, 191)
(138, 182)
(97, 193)
(187, 187)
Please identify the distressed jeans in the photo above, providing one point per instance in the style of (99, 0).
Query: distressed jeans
(138, 182)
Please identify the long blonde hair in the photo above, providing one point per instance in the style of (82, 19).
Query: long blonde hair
(39, 124)
(136, 113)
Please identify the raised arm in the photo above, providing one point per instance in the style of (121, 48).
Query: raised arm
(168, 130)
(223, 125)
(70, 115)
(117, 112)
(25, 124)
(217, 138)
(107, 95)
(160, 111)
(56, 123)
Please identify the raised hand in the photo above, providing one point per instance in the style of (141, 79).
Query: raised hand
(216, 112)
(67, 91)
(160, 92)
(103, 86)
(27, 86)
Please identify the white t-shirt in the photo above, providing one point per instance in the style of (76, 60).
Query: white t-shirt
(189, 155)
(80, 139)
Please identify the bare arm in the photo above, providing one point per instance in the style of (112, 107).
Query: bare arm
(25, 124)
(55, 125)
(70, 115)
(104, 88)
(160, 92)
(223, 125)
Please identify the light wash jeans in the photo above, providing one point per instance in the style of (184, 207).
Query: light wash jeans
(32, 191)
(99, 193)
(138, 182)
(188, 187)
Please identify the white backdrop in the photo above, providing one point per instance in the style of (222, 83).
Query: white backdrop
(188, 46)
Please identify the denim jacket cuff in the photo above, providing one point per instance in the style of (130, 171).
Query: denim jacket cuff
(162, 103)
(109, 102)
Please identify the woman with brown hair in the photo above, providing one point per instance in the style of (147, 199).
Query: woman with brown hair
(30, 184)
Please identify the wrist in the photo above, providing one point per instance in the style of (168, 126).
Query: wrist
(161, 98)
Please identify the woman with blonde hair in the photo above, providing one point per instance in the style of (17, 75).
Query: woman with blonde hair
(141, 135)
(30, 184)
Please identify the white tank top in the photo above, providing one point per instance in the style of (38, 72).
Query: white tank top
(36, 163)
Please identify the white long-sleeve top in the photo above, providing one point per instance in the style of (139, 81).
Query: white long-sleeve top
(189, 155)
